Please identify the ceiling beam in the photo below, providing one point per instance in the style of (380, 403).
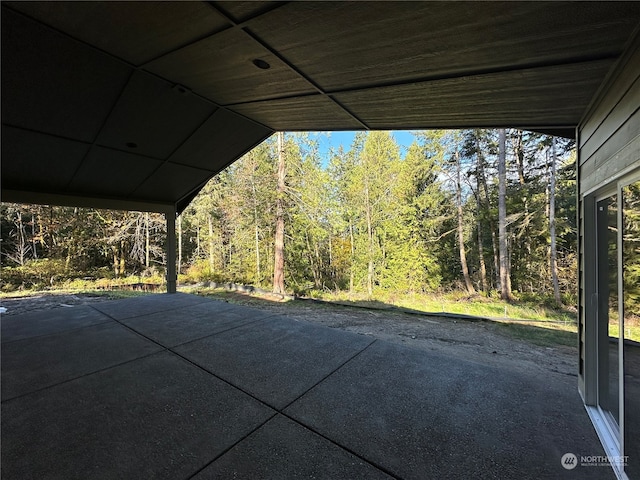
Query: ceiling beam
(40, 198)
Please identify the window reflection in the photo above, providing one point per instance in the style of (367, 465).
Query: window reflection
(631, 324)
(608, 330)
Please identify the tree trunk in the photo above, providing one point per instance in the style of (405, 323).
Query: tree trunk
(552, 224)
(526, 237)
(21, 247)
(198, 241)
(312, 260)
(257, 241)
(33, 234)
(256, 234)
(505, 283)
(520, 157)
(41, 231)
(487, 206)
(318, 274)
(122, 259)
(114, 251)
(353, 255)
(463, 255)
(146, 240)
(211, 252)
(370, 266)
(278, 263)
(179, 222)
(483, 267)
(330, 256)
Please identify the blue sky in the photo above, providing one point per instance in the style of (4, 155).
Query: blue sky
(327, 140)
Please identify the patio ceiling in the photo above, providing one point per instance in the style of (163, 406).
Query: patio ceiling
(139, 104)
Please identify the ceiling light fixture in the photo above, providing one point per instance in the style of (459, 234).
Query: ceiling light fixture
(181, 89)
(261, 64)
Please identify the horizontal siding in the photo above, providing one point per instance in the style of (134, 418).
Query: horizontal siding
(618, 116)
(609, 140)
(610, 167)
(612, 96)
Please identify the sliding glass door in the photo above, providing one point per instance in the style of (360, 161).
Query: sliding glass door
(608, 331)
(618, 325)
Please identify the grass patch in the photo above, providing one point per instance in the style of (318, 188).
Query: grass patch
(540, 331)
(631, 331)
(545, 326)
(547, 336)
(458, 302)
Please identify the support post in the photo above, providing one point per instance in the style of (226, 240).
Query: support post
(171, 251)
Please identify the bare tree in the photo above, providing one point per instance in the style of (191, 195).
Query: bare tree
(21, 246)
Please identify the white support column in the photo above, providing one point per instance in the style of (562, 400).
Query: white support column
(171, 251)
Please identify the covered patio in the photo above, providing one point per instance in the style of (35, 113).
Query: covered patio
(137, 105)
(181, 386)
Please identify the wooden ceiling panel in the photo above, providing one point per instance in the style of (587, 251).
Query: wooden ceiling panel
(53, 84)
(222, 139)
(66, 72)
(518, 99)
(344, 45)
(134, 31)
(37, 162)
(221, 68)
(170, 181)
(309, 113)
(153, 117)
(240, 11)
(110, 181)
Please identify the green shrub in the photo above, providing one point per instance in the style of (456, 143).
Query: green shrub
(40, 273)
(201, 271)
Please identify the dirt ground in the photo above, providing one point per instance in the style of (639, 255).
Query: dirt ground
(479, 341)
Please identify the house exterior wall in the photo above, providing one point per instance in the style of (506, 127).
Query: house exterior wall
(608, 148)
(608, 141)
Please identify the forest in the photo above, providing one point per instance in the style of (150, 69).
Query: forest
(477, 211)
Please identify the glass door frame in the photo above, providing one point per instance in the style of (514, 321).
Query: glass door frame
(615, 428)
(611, 436)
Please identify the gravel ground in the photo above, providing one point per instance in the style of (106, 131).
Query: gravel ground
(480, 341)
(46, 301)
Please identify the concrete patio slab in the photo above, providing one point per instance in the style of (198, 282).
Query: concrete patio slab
(46, 322)
(193, 322)
(156, 417)
(276, 359)
(264, 396)
(282, 449)
(34, 363)
(427, 416)
(147, 304)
